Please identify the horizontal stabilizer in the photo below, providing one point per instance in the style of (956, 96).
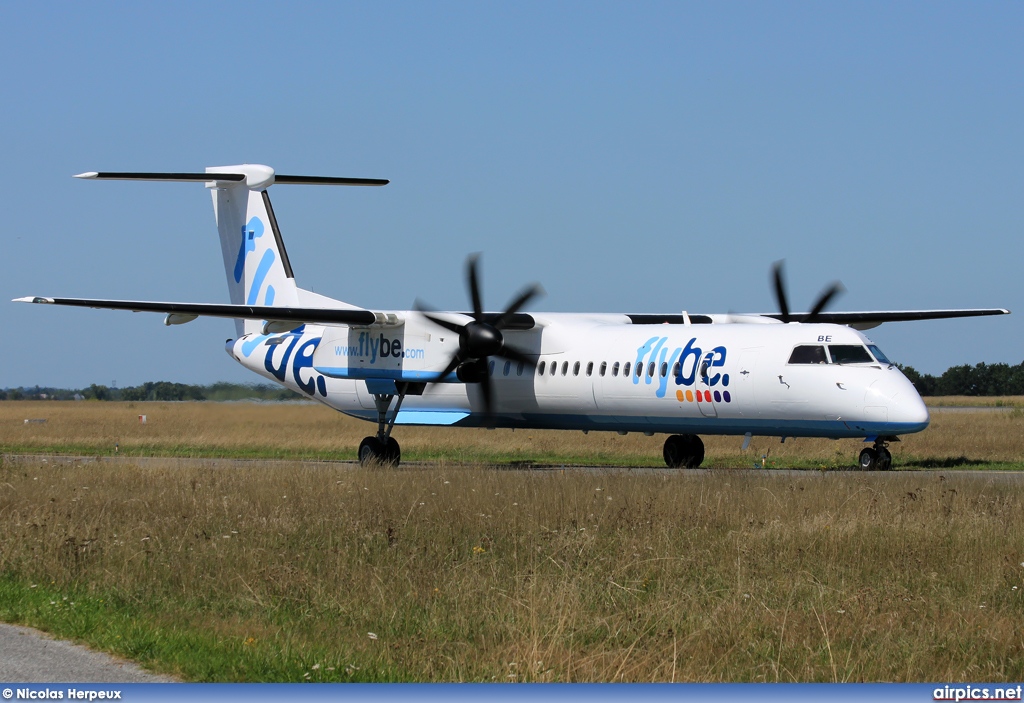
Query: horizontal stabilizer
(313, 316)
(229, 177)
(111, 176)
(330, 181)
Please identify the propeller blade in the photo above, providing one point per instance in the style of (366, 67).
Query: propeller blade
(824, 299)
(525, 296)
(451, 326)
(474, 287)
(780, 290)
(488, 393)
(516, 355)
(452, 365)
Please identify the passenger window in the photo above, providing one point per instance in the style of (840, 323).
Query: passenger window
(576, 369)
(639, 370)
(508, 367)
(565, 367)
(615, 369)
(664, 369)
(808, 354)
(677, 369)
(554, 367)
(519, 369)
(849, 354)
(490, 369)
(590, 368)
(604, 367)
(540, 369)
(625, 369)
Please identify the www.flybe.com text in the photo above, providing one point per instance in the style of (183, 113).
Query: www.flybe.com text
(374, 347)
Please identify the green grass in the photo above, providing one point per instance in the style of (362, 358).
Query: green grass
(175, 640)
(273, 573)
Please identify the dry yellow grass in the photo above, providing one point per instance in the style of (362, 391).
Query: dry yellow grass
(475, 574)
(314, 431)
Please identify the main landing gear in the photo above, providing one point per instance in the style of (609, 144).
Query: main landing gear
(384, 449)
(878, 457)
(683, 451)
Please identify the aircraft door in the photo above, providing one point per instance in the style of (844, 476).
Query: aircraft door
(702, 388)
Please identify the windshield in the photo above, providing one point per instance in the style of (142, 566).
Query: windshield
(879, 355)
(849, 354)
(808, 354)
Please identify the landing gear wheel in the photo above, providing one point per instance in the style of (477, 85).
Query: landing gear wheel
(375, 451)
(884, 459)
(371, 451)
(683, 451)
(868, 459)
(392, 452)
(876, 458)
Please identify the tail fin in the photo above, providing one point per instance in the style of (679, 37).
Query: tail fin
(255, 260)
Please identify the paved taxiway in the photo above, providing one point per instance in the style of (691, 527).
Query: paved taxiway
(194, 462)
(30, 656)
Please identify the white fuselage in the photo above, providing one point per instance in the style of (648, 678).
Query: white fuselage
(599, 372)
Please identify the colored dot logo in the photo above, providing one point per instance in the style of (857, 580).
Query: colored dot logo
(703, 396)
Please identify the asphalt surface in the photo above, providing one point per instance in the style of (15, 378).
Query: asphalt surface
(30, 656)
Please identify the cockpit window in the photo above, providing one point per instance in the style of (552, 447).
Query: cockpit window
(808, 354)
(849, 354)
(879, 355)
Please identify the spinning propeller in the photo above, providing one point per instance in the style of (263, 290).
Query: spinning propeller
(481, 338)
(824, 298)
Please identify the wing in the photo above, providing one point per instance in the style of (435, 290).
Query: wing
(185, 312)
(867, 320)
(245, 312)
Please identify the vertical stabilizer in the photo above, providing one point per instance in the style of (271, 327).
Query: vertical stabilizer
(255, 260)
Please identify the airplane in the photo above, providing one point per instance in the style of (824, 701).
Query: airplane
(785, 374)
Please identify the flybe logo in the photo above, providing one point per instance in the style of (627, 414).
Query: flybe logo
(687, 365)
(296, 357)
(376, 347)
(250, 233)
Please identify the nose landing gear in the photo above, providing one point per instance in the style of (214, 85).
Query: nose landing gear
(878, 457)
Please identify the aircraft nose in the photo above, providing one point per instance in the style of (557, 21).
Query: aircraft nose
(904, 404)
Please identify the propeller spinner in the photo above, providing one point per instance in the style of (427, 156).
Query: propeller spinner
(479, 339)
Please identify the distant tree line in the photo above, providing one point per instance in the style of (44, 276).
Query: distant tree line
(981, 379)
(155, 390)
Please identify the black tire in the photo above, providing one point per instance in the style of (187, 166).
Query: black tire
(884, 460)
(696, 452)
(392, 452)
(674, 451)
(683, 451)
(868, 460)
(371, 451)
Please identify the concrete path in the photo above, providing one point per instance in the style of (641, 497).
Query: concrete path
(30, 656)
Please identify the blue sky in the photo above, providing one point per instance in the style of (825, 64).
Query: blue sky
(633, 157)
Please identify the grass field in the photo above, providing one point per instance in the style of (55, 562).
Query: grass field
(458, 569)
(336, 573)
(992, 438)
